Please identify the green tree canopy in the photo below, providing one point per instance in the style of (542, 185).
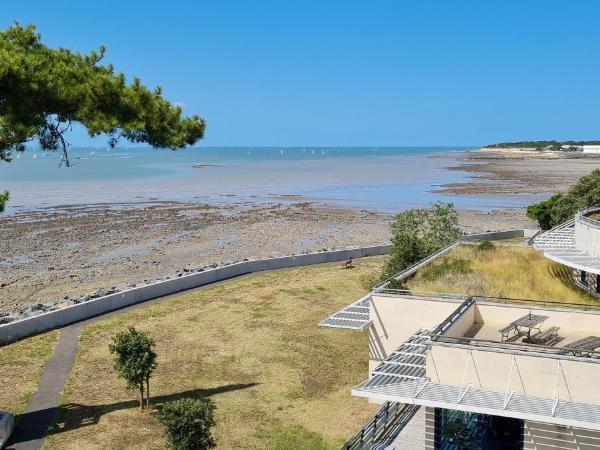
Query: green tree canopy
(3, 199)
(45, 91)
(419, 232)
(135, 359)
(561, 207)
(188, 422)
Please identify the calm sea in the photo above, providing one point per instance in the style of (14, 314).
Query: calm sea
(385, 179)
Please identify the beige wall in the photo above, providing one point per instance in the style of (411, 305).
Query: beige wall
(395, 319)
(587, 237)
(531, 375)
(460, 327)
(572, 321)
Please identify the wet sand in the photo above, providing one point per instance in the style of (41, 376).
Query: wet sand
(51, 257)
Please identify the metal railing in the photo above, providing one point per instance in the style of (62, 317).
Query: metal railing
(383, 427)
(449, 321)
(581, 216)
(531, 303)
(520, 347)
(415, 267)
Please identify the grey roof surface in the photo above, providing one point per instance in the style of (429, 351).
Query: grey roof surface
(558, 244)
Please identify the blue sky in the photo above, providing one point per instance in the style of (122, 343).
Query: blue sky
(350, 73)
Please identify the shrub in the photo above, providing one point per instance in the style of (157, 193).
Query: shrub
(447, 267)
(188, 422)
(486, 246)
(561, 207)
(368, 280)
(417, 233)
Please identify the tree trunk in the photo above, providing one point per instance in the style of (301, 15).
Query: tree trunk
(148, 392)
(141, 396)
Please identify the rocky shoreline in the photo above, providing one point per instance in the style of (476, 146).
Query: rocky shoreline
(72, 254)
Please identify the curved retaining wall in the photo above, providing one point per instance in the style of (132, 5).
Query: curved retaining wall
(587, 235)
(85, 310)
(498, 235)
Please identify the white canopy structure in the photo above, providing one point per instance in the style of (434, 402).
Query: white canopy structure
(353, 317)
(558, 244)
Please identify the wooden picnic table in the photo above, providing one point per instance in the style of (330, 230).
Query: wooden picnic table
(586, 345)
(528, 322)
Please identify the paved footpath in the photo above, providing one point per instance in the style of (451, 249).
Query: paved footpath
(43, 404)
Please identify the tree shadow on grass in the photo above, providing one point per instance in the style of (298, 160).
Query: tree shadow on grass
(36, 425)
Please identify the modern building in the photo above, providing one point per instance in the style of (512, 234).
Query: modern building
(590, 148)
(576, 244)
(456, 372)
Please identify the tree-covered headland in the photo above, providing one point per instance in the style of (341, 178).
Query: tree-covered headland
(558, 146)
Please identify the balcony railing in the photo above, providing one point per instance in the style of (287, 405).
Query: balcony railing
(383, 426)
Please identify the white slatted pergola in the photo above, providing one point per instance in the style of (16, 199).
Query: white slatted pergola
(353, 317)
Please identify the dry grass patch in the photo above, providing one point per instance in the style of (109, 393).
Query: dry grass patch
(505, 271)
(21, 365)
(252, 345)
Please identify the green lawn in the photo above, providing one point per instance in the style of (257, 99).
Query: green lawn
(21, 365)
(505, 271)
(252, 345)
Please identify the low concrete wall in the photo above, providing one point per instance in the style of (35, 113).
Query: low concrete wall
(85, 310)
(498, 235)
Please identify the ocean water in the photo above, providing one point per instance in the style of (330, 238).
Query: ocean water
(385, 179)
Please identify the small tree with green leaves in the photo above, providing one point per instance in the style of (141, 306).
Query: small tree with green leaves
(188, 422)
(561, 207)
(135, 360)
(419, 232)
(3, 199)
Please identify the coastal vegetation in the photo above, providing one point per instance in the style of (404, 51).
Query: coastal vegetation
(561, 207)
(251, 345)
(544, 145)
(417, 233)
(3, 199)
(45, 91)
(21, 365)
(502, 271)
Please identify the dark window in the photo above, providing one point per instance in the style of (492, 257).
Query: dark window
(460, 430)
(584, 277)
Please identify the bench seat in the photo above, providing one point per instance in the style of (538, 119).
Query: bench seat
(546, 336)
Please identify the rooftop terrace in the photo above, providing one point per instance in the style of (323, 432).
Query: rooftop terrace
(464, 363)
